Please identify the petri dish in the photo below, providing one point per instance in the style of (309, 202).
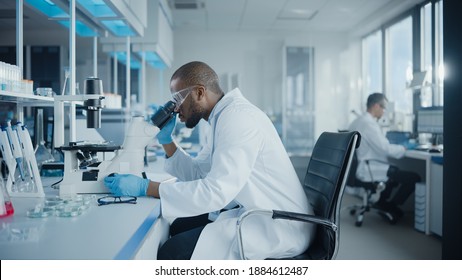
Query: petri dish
(53, 202)
(40, 212)
(68, 210)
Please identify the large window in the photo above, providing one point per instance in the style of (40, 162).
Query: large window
(411, 44)
(438, 97)
(372, 64)
(399, 67)
(426, 53)
(431, 26)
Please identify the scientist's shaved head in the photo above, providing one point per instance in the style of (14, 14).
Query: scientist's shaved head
(204, 93)
(197, 73)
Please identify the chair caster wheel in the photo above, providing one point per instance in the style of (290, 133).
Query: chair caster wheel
(352, 212)
(358, 224)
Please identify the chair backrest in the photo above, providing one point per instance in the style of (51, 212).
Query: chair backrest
(324, 184)
(351, 180)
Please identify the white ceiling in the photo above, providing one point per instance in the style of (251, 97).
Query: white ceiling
(249, 15)
(273, 15)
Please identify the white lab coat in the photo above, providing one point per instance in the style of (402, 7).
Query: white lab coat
(245, 163)
(374, 147)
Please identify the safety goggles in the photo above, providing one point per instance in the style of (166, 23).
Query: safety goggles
(180, 96)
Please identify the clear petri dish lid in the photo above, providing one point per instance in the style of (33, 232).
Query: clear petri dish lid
(69, 210)
(40, 211)
(53, 202)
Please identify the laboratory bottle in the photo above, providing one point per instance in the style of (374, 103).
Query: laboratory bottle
(6, 207)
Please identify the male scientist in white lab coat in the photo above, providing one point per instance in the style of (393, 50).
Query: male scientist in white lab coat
(244, 164)
(376, 149)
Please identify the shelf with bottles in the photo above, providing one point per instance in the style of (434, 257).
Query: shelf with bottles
(23, 97)
(13, 88)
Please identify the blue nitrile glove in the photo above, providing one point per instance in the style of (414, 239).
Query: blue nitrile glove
(410, 145)
(126, 185)
(165, 134)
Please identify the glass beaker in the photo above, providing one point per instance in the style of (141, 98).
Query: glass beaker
(42, 154)
(23, 177)
(6, 207)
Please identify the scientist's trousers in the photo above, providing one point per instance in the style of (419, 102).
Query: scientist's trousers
(403, 180)
(184, 234)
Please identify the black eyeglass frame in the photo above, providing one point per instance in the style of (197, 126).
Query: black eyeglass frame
(116, 200)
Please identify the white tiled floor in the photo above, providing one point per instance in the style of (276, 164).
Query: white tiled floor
(376, 239)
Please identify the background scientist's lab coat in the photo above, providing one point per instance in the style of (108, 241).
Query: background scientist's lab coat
(243, 162)
(374, 147)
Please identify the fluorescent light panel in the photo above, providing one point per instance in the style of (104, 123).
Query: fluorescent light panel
(48, 8)
(118, 27)
(97, 8)
(53, 11)
(80, 28)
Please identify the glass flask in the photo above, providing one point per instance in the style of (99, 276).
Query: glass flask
(6, 207)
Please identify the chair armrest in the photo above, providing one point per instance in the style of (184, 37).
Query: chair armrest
(375, 160)
(277, 214)
(304, 218)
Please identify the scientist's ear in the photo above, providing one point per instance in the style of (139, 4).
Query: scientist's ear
(200, 92)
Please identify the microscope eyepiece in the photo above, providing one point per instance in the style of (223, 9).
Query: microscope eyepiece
(164, 114)
(93, 106)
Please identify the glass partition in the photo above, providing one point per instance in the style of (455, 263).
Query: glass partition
(298, 117)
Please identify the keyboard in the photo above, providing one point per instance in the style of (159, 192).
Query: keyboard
(423, 148)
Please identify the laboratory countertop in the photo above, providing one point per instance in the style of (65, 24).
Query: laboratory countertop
(422, 154)
(114, 231)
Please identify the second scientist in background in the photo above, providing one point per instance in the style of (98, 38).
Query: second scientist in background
(373, 154)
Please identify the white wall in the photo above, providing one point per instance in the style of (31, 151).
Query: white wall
(257, 58)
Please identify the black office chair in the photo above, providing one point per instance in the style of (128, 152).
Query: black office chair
(324, 185)
(369, 195)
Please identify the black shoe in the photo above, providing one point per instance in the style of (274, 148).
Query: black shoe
(384, 206)
(397, 212)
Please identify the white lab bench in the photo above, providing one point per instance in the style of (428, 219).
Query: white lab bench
(115, 231)
(431, 174)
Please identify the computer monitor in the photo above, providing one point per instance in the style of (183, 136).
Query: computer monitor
(430, 120)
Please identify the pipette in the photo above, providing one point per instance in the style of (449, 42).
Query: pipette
(29, 155)
(15, 148)
(7, 157)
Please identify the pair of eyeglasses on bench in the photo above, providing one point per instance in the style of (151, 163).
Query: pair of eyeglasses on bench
(106, 200)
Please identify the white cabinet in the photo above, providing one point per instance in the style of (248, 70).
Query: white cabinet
(436, 199)
(157, 42)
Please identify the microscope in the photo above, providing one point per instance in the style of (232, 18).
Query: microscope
(83, 171)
